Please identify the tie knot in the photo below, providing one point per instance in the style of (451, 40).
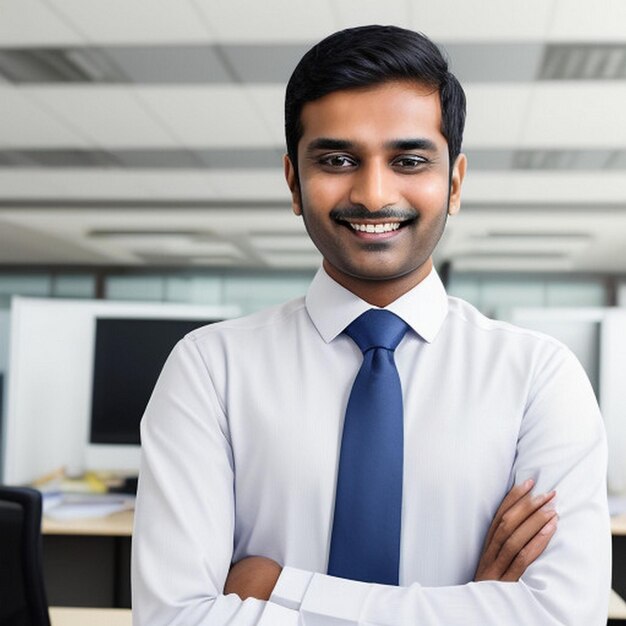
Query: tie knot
(377, 328)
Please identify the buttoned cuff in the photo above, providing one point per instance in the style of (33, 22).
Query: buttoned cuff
(334, 601)
(290, 587)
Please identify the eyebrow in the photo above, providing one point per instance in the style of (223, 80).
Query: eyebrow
(328, 143)
(412, 144)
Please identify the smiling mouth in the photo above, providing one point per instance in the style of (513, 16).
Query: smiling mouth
(377, 228)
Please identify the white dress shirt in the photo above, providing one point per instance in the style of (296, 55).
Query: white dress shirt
(240, 452)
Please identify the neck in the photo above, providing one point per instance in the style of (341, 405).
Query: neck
(380, 293)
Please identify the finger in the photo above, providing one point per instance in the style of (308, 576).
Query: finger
(515, 516)
(515, 528)
(517, 542)
(531, 551)
(512, 497)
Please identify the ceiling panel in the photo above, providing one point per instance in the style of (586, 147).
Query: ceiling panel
(581, 20)
(33, 22)
(110, 116)
(571, 114)
(23, 124)
(279, 20)
(133, 21)
(561, 188)
(269, 101)
(263, 63)
(501, 62)
(28, 184)
(362, 12)
(170, 64)
(222, 116)
(250, 185)
(177, 185)
(495, 114)
(488, 20)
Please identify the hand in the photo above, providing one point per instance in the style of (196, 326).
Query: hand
(519, 533)
(253, 577)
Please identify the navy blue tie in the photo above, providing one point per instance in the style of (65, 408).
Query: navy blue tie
(365, 542)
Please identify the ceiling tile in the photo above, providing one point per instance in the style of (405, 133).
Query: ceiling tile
(200, 116)
(169, 64)
(279, 20)
(538, 187)
(134, 21)
(581, 20)
(300, 260)
(264, 63)
(363, 12)
(76, 184)
(494, 62)
(250, 185)
(23, 124)
(573, 114)
(29, 184)
(488, 20)
(180, 185)
(283, 243)
(33, 22)
(495, 114)
(270, 103)
(109, 115)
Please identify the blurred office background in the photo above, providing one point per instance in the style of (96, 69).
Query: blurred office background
(141, 143)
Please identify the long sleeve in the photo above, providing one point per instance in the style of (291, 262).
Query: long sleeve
(562, 445)
(184, 522)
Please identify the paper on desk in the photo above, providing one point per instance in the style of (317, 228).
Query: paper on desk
(67, 506)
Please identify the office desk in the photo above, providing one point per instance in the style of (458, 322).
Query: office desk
(66, 616)
(115, 525)
(87, 561)
(118, 528)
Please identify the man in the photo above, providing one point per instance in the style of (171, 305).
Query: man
(249, 439)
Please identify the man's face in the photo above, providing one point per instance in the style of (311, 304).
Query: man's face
(374, 183)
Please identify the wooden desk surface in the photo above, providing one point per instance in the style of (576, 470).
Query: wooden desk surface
(68, 616)
(121, 525)
(115, 525)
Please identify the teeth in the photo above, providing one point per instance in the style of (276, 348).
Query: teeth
(375, 228)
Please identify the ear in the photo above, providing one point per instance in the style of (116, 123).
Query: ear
(458, 174)
(292, 183)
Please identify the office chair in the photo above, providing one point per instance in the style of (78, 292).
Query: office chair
(23, 599)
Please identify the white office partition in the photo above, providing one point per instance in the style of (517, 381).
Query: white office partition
(50, 377)
(613, 394)
(597, 336)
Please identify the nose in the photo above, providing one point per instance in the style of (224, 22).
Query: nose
(374, 186)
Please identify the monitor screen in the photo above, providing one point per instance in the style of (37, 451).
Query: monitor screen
(129, 354)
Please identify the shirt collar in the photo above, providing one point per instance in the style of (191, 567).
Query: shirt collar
(332, 307)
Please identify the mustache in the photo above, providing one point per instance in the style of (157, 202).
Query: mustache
(357, 212)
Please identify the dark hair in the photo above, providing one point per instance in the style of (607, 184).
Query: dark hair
(370, 55)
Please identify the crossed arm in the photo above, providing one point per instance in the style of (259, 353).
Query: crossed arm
(186, 520)
(521, 529)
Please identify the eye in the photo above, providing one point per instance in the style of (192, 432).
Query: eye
(337, 161)
(409, 162)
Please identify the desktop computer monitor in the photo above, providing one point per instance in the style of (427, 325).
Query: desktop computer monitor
(128, 356)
